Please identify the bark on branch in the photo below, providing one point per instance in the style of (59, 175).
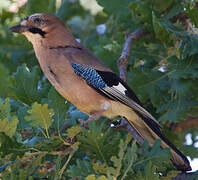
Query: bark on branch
(125, 56)
(190, 122)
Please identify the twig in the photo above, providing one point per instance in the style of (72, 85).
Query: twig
(125, 125)
(190, 122)
(124, 58)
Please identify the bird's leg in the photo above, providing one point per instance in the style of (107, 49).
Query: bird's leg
(104, 106)
(92, 117)
(125, 125)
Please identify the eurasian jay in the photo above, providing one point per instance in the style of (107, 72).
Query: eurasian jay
(81, 78)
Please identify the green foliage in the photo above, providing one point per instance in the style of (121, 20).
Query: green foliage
(10, 146)
(41, 116)
(98, 142)
(81, 169)
(92, 177)
(150, 173)
(5, 81)
(153, 155)
(8, 122)
(22, 88)
(123, 155)
(40, 136)
(193, 14)
(119, 8)
(36, 6)
(58, 104)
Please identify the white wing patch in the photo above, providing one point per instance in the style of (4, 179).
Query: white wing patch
(120, 88)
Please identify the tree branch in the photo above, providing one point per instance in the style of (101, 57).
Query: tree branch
(125, 56)
(183, 125)
(122, 65)
(125, 125)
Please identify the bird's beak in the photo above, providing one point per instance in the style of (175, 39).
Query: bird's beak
(19, 28)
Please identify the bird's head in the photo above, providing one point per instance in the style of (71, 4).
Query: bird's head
(45, 28)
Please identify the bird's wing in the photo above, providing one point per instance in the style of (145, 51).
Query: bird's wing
(83, 56)
(104, 81)
(110, 85)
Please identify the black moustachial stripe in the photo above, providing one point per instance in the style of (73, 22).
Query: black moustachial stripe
(35, 30)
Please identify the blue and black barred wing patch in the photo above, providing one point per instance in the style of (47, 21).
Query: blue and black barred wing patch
(110, 85)
(90, 75)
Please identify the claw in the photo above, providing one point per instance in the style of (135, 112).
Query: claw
(92, 117)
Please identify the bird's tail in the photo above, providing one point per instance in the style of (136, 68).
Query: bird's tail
(147, 130)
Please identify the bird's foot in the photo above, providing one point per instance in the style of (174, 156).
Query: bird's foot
(92, 117)
(122, 125)
(83, 123)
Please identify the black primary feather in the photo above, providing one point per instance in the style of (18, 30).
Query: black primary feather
(111, 79)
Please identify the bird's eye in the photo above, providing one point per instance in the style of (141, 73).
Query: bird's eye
(26, 18)
(37, 20)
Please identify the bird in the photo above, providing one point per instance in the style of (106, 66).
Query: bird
(84, 80)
